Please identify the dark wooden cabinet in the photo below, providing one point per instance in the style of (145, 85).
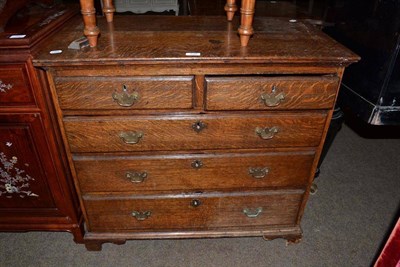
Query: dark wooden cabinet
(35, 188)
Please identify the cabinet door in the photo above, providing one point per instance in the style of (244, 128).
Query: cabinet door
(15, 87)
(24, 164)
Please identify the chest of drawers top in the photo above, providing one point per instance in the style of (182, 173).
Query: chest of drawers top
(189, 40)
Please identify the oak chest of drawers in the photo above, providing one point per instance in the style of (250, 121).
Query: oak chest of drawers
(177, 131)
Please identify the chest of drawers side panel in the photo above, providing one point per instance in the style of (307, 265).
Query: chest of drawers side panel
(319, 149)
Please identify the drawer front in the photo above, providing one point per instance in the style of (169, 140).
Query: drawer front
(118, 93)
(102, 134)
(261, 93)
(188, 172)
(192, 211)
(15, 88)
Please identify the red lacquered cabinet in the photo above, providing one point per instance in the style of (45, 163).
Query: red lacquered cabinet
(35, 189)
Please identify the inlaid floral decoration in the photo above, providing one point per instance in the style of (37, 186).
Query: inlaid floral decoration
(5, 87)
(13, 181)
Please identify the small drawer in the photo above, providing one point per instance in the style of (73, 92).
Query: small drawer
(185, 172)
(193, 211)
(15, 88)
(264, 93)
(122, 93)
(197, 132)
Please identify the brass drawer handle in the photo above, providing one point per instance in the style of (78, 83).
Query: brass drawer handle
(274, 98)
(125, 99)
(199, 126)
(252, 213)
(131, 137)
(258, 173)
(267, 133)
(141, 215)
(136, 177)
(197, 164)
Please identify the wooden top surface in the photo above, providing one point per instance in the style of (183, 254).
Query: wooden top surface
(166, 39)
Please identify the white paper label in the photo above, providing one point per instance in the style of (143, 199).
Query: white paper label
(17, 36)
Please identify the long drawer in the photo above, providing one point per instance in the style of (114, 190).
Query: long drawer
(135, 213)
(191, 172)
(122, 93)
(263, 93)
(197, 132)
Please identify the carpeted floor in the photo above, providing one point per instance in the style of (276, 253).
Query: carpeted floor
(344, 224)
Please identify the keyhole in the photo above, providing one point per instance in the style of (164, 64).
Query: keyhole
(197, 164)
(195, 203)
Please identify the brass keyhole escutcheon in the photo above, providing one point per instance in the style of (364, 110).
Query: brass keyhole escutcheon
(199, 126)
(195, 203)
(197, 164)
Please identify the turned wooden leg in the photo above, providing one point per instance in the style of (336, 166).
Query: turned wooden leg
(246, 21)
(89, 19)
(230, 8)
(108, 9)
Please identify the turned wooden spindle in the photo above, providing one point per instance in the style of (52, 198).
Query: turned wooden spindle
(246, 23)
(230, 8)
(108, 10)
(89, 19)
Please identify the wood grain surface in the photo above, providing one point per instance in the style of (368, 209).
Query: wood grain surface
(245, 93)
(101, 134)
(177, 173)
(200, 129)
(176, 212)
(95, 93)
(166, 39)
